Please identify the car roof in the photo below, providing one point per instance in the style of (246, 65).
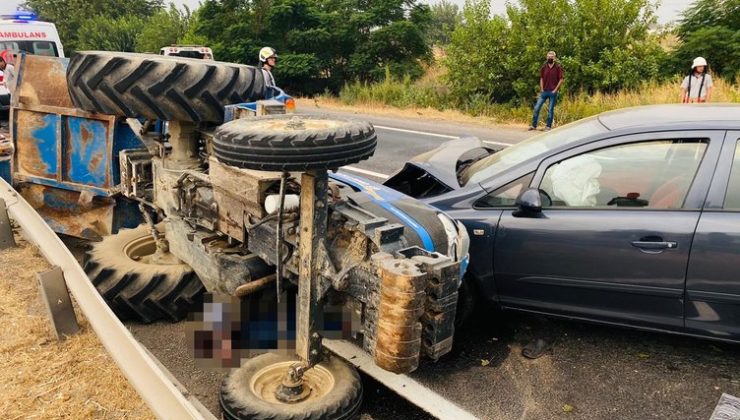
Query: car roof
(666, 115)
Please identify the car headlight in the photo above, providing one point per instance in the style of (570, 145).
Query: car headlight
(458, 242)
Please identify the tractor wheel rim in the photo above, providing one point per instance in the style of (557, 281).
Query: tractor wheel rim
(266, 382)
(144, 250)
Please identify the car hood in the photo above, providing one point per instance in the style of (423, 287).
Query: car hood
(437, 171)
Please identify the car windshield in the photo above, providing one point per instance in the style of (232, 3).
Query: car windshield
(530, 148)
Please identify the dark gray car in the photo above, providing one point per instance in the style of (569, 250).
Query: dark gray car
(629, 218)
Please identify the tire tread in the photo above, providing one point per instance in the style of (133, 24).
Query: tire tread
(168, 88)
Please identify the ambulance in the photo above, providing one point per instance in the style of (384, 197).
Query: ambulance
(23, 32)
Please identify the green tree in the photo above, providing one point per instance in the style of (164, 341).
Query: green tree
(445, 17)
(604, 45)
(706, 13)
(110, 34)
(70, 15)
(474, 59)
(711, 29)
(165, 27)
(321, 43)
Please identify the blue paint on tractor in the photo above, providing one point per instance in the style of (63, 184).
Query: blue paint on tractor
(61, 200)
(46, 144)
(5, 170)
(123, 138)
(384, 197)
(274, 93)
(86, 143)
(126, 214)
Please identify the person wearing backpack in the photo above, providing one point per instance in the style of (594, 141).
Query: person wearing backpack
(697, 86)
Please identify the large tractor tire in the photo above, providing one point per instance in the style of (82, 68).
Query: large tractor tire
(249, 391)
(159, 87)
(293, 143)
(137, 282)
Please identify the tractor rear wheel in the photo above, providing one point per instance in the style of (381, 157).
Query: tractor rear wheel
(293, 143)
(159, 87)
(139, 283)
(334, 390)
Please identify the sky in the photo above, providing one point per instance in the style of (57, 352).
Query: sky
(668, 11)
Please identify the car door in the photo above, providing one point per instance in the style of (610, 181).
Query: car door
(713, 279)
(613, 245)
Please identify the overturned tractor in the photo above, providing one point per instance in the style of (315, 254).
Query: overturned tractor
(191, 177)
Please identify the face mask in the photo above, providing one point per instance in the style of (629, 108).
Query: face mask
(550, 60)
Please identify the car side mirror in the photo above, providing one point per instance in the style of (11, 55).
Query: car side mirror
(529, 203)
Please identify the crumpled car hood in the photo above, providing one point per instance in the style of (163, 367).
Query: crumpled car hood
(437, 171)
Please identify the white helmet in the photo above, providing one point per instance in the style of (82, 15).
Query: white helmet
(265, 53)
(699, 61)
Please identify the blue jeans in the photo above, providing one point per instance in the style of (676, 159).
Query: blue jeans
(553, 96)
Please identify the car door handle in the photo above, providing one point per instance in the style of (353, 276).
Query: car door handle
(655, 245)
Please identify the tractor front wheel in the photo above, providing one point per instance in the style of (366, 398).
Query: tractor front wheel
(331, 390)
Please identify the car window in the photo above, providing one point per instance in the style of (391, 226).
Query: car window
(531, 148)
(652, 174)
(506, 196)
(44, 48)
(9, 45)
(732, 196)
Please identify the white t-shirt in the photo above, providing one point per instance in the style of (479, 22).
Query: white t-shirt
(269, 80)
(696, 84)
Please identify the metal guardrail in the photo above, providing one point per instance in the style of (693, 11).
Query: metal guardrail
(155, 385)
(405, 386)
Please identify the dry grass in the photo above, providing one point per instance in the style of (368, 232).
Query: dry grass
(41, 377)
(414, 113)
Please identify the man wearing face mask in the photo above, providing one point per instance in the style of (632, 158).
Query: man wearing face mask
(551, 78)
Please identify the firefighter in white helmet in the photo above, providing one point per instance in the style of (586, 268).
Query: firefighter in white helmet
(697, 86)
(268, 60)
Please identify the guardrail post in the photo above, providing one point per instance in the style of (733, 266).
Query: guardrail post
(55, 295)
(6, 231)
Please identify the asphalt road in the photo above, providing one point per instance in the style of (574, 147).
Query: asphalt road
(401, 139)
(591, 372)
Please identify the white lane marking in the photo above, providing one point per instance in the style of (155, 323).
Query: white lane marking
(423, 133)
(403, 385)
(497, 143)
(366, 172)
(426, 133)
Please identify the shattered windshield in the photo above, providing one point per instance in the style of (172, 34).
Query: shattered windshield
(530, 148)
